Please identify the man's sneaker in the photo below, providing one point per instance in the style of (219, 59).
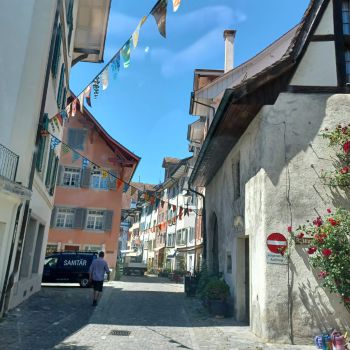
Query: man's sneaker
(94, 303)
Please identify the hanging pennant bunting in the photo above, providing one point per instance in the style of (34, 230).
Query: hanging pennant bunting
(74, 107)
(151, 200)
(119, 183)
(64, 115)
(75, 156)
(146, 197)
(59, 118)
(104, 174)
(133, 190)
(176, 5)
(55, 120)
(126, 187)
(85, 163)
(135, 36)
(115, 65)
(54, 142)
(96, 86)
(65, 149)
(87, 95)
(81, 102)
(159, 13)
(125, 53)
(180, 213)
(174, 207)
(104, 78)
(157, 202)
(162, 203)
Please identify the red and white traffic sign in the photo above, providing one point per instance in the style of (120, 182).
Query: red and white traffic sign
(276, 243)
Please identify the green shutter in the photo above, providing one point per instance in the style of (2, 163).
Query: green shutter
(54, 176)
(70, 21)
(56, 52)
(40, 154)
(64, 103)
(49, 168)
(60, 87)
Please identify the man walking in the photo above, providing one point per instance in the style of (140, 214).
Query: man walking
(96, 275)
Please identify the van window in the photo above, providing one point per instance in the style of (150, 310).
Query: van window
(51, 262)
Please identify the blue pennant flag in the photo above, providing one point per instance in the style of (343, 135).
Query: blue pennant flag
(54, 142)
(126, 187)
(85, 163)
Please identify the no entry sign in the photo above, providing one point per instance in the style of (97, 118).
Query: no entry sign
(276, 243)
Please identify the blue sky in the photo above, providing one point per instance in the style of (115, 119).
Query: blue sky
(146, 107)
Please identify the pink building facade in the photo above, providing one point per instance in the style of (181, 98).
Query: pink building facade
(88, 200)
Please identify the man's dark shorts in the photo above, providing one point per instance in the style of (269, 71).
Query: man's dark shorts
(98, 285)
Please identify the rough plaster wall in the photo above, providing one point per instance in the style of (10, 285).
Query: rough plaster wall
(264, 148)
(306, 153)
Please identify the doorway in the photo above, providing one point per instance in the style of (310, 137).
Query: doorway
(247, 280)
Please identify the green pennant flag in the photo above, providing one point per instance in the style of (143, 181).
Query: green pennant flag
(125, 53)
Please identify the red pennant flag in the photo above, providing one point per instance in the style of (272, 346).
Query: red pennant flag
(152, 200)
(87, 94)
(60, 119)
(162, 203)
(180, 213)
(119, 183)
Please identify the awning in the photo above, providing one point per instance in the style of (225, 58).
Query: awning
(187, 249)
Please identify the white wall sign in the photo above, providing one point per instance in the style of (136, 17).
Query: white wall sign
(276, 259)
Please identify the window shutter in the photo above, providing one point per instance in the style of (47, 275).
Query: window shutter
(54, 176)
(60, 87)
(112, 180)
(53, 217)
(85, 178)
(60, 175)
(64, 98)
(76, 138)
(49, 168)
(108, 217)
(79, 218)
(57, 52)
(41, 151)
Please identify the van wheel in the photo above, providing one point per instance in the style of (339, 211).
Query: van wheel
(84, 283)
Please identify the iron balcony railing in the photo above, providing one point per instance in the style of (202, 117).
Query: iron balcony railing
(8, 163)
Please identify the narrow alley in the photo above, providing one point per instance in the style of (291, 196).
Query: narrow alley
(135, 313)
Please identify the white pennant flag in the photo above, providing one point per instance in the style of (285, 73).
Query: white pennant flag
(104, 76)
(176, 5)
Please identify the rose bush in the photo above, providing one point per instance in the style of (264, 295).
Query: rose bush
(339, 138)
(329, 250)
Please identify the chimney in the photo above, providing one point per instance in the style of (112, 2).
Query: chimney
(229, 37)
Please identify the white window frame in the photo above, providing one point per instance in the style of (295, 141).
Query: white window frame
(74, 174)
(93, 247)
(65, 216)
(95, 220)
(102, 182)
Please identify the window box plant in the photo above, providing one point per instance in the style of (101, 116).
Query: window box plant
(216, 292)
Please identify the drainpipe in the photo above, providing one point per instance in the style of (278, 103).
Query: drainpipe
(26, 212)
(204, 233)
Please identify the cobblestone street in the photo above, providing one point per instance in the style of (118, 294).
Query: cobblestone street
(135, 313)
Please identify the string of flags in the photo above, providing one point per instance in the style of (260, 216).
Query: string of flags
(102, 80)
(151, 197)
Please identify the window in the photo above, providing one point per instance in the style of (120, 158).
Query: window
(65, 217)
(71, 177)
(229, 263)
(171, 240)
(181, 237)
(346, 17)
(191, 234)
(56, 52)
(347, 65)
(93, 248)
(98, 181)
(51, 172)
(51, 248)
(95, 219)
(69, 14)
(236, 175)
(76, 138)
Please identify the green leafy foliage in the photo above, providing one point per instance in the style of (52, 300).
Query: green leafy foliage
(216, 289)
(329, 250)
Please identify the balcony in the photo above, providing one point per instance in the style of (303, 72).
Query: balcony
(8, 163)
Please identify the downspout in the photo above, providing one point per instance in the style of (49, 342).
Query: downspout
(41, 120)
(204, 231)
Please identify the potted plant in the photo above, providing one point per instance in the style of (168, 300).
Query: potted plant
(217, 292)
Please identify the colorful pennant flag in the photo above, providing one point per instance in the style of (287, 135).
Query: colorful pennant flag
(180, 213)
(115, 65)
(87, 95)
(125, 53)
(135, 36)
(85, 163)
(96, 86)
(64, 115)
(104, 78)
(146, 197)
(133, 190)
(59, 118)
(65, 149)
(54, 142)
(174, 207)
(162, 203)
(75, 156)
(126, 187)
(157, 202)
(74, 107)
(159, 13)
(81, 102)
(119, 183)
(176, 5)
(151, 200)
(104, 174)
(52, 126)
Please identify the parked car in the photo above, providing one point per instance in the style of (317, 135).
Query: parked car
(69, 267)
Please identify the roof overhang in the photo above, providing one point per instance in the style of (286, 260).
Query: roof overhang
(91, 29)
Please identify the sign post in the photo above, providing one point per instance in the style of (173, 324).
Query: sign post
(277, 245)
